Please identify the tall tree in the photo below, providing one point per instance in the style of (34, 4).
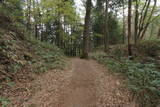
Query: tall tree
(106, 30)
(129, 27)
(136, 21)
(158, 35)
(98, 22)
(124, 26)
(29, 14)
(86, 32)
(145, 15)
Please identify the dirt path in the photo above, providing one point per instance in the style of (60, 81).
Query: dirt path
(87, 84)
(81, 92)
(92, 86)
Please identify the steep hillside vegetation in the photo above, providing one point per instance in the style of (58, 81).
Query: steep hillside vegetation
(18, 52)
(21, 55)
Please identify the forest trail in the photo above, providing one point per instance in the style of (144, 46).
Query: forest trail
(81, 92)
(87, 84)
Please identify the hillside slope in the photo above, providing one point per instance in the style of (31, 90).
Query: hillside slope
(21, 56)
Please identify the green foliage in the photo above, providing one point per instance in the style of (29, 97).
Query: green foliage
(48, 56)
(118, 52)
(144, 79)
(42, 56)
(114, 27)
(5, 102)
(12, 9)
(14, 67)
(8, 53)
(10, 83)
(58, 8)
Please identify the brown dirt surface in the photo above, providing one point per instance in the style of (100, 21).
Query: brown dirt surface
(86, 84)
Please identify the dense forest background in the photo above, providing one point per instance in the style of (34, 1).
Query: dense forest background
(58, 22)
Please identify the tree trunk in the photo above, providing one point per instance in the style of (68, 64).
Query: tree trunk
(136, 22)
(35, 21)
(1, 1)
(106, 31)
(146, 18)
(151, 30)
(129, 28)
(38, 21)
(36, 31)
(124, 30)
(158, 36)
(29, 14)
(86, 32)
(58, 31)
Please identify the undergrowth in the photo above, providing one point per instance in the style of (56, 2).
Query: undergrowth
(16, 53)
(5, 102)
(149, 47)
(45, 56)
(20, 57)
(144, 78)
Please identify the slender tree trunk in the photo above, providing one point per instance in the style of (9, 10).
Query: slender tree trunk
(124, 30)
(1, 1)
(58, 31)
(158, 36)
(35, 21)
(151, 30)
(145, 18)
(29, 14)
(136, 22)
(36, 31)
(129, 27)
(106, 31)
(86, 32)
(148, 21)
